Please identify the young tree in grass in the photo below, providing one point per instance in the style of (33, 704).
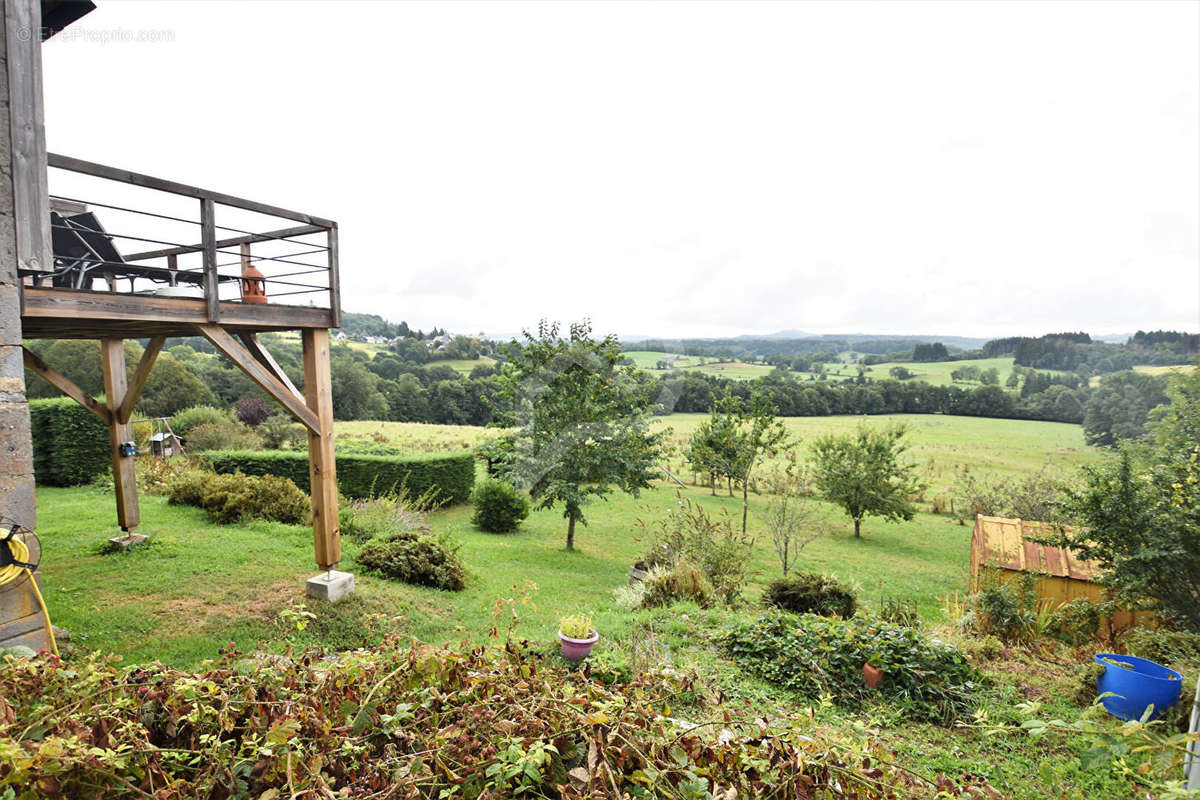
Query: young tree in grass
(863, 473)
(582, 420)
(715, 446)
(760, 435)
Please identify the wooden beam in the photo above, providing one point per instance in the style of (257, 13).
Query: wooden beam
(137, 179)
(72, 306)
(31, 197)
(264, 357)
(66, 386)
(284, 233)
(112, 353)
(229, 346)
(322, 466)
(139, 378)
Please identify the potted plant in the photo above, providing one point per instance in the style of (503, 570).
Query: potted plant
(638, 572)
(577, 636)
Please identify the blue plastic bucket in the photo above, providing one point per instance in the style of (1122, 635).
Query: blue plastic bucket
(1146, 684)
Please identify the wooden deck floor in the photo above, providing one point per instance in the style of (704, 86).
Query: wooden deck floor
(49, 313)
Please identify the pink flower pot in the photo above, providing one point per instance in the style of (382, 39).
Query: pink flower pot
(575, 650)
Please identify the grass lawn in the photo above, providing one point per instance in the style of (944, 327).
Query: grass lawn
(198, 585)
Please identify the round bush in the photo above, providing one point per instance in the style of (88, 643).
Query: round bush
(499, 508)
(809, 593)
(189, 418)
(415, 558)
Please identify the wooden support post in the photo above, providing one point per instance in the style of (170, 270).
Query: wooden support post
(208, 235)
(140, 377)
(322, 470)
(124, 479)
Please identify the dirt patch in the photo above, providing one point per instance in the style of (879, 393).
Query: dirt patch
(265, 603)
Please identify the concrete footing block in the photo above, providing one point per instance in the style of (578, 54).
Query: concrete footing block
(126, 542)
(330, 586)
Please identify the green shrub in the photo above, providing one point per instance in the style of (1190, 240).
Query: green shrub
(188, 487)
(810, 593)
(1006, 608)
(235, 497)
(1163, 646)
(376, 517)
(716, 546)
(222, 436)
(451, 475)
(899, 611)
(70, 444)
(923, 678)
(496, 452)
(184, 421)
(499, 508)
(679, 582)
(1076, 622)
(415, 558)
(280, 431)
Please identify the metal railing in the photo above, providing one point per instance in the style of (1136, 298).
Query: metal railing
(202, 240)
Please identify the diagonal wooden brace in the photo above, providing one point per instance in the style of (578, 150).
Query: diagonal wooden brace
(66, 386)
(231, 349)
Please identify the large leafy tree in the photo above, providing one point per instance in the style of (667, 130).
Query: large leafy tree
(863, 472)
(1138, 515)
(582, 421)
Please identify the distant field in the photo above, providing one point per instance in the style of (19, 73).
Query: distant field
(942, 445)
(938, 372)
(465, 365)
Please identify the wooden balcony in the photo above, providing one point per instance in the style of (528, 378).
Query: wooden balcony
(137, 256)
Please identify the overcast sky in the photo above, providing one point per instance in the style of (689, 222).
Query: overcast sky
(680, 168)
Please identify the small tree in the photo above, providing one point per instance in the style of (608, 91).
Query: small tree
(862, 472)
(715, 447)
(582, 420)
(787, 519)
(760, 435)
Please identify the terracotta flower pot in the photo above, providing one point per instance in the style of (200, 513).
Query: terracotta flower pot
(575, 650)
(872, 675)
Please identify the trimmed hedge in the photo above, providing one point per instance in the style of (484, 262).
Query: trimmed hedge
(70, 445)
(452, 475)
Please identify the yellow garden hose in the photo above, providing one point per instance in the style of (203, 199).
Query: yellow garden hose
(12, 572)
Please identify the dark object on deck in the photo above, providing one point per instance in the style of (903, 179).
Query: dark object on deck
(83, 251)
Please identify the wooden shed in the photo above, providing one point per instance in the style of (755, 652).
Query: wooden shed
(1004, 548)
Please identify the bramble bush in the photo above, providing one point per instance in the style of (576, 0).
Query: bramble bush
(499, 508)
(923, 678)
(810, 593)
(416, 558)
(400, 722)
